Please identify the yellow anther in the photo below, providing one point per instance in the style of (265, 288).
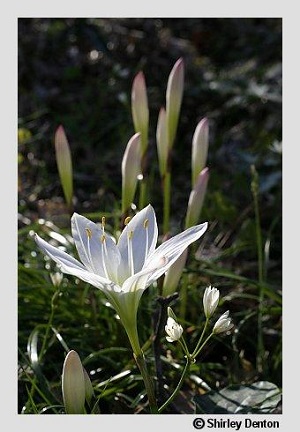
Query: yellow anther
(103, 238)
(88, 233)
(127, 220)
(103, 221)
(146, 223)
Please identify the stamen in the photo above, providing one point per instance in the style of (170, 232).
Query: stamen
(103, 222)
(130, 253)
(104, 253)
(127, 220)
(88, 232)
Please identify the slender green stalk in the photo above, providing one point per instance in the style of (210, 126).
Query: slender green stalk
(194, 354)
(140, 361)
(49, 324)
(179, 385)
(260, 342)
(131, 329)
(190, 358)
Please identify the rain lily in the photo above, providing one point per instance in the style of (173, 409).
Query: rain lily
(122, 270)
(173, 329)
(210, 301)
(223, 324)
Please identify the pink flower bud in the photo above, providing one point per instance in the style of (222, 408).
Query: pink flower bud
(174, 95)
(196, 198)
(131, 168)
(173, 275)
(162, 142)
(73, 384)
(64, 163)
(199, 149)
(139, 108)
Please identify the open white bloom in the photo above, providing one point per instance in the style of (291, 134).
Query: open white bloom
(173, 329)
(210, 300)
(123, 269)
(223, 324)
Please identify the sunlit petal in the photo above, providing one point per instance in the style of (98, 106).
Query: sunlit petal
(70, 265)
(143, 227)
(174, 247)
(88, 238)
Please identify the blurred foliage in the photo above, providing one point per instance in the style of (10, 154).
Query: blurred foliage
(78, 72)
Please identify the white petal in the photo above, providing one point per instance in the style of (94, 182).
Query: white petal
(144, 240)
(71, 266)
(139, 281)
(173, 248)
(90, 247)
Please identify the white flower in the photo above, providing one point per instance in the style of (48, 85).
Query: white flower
(210, 300)
(123, 269)
(223, 324)
(173, 329)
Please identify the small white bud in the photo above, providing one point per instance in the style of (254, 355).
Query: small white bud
(223, 324)
(173, 329)
(210, 300)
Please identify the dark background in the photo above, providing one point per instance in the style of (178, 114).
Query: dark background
(78, 72)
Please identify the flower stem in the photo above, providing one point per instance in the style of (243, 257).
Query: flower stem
(201, 337)
(132, 333)
(197, 351)
(260, 342)
(49, 324)
(179, 385)
(140, 361)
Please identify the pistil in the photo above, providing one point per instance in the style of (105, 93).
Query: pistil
(104, 248)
